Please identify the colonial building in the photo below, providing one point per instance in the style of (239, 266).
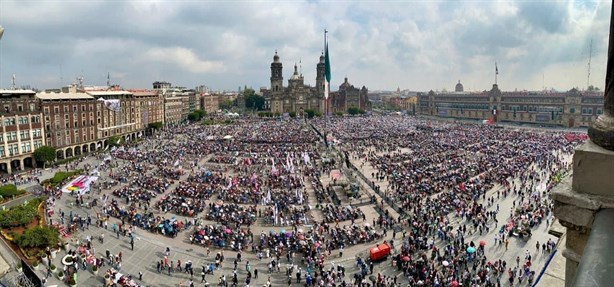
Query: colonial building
(297, 96)
(151, 109)
(349, 96)
(174, 109)
(120, 114)
(71, 122)
(209, 102)
(22, 129)
(571, 109)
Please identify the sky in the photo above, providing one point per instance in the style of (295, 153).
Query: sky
(383, 45)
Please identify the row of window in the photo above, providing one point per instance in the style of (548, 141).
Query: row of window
(13, 149)
(23, 120)
(23, 135)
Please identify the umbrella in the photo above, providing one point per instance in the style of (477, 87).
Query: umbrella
(228, 230)
(454, 283)
(470, 249)
(405, 258)
(300, 230)
(445, 263)
(367, 224)
(482, 243)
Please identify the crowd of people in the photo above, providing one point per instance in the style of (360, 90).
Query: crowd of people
(223, 183)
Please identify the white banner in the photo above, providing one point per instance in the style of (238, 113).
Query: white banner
(113, 105)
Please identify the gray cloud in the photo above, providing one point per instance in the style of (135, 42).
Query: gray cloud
(382, 45)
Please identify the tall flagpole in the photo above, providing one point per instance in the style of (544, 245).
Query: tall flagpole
(325, 97)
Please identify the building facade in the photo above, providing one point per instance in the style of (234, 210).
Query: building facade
(296, 97)
(150, 108)
(573, 108)
(71, 122)
(174, 109)
(22, 129)
(209, 103)
(349, 96)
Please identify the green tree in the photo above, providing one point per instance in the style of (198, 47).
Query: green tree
(114, 141)
(292, 114)
(226, 105)
(355, 111)
(310, 113)
(39, 236)
(254, 102)
(44, 154)
(155, 126)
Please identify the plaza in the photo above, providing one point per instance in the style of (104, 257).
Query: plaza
(272, 192)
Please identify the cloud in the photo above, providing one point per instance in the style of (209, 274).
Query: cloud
(183, 58)
(418, 45)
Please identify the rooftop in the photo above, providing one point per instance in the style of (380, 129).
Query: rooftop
(108, 93)
(64, 96)
(16, 92)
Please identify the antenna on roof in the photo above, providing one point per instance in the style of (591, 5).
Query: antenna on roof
(300, 67)
(108, 80)
(61, 76)
(13, 86)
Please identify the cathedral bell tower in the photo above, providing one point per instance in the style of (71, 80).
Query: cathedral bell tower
(320, 77)
(277, 79)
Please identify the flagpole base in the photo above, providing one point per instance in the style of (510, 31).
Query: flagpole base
(601, 131)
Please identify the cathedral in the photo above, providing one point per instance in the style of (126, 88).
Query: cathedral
(296, 97)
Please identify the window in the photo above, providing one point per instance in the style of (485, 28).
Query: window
(1, 138)
(83, 108)
(56, 110)
(599, 111)
(46, 110)
(24, 135)
(66, 109)
(36, 119)
(23, 120)
(32, 107)
(37, 133)
(19, 108)
(572, 110)
(9, 122)
(13, 149)
(74, 109)
(2, 154)
(26, 147)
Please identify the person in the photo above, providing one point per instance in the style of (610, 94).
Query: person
(132, 243)
(141, 274)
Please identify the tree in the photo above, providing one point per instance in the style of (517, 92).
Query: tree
(226, 105)
(310, 113)
(254, 102)
(155, 126)
(196, 115)
(292, 114)
(353, 110)
(44, 154)
(114, 141)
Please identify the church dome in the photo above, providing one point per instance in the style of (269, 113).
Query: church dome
(276, 57)
(459, 87)
(295, 76)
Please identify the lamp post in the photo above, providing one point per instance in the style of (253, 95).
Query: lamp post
(601, 131)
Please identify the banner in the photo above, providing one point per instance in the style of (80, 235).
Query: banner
(113, 105)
